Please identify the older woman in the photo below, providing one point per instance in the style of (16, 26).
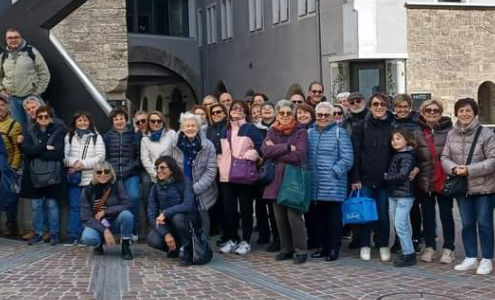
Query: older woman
(286, 142)
(170, 210)
(430, 137)
(84, 148)
(197, 157)
(45, 141)
(372, 156)
(476, 206)
(330, 157)
(305, 115)
(105, 211)
(243, 141)
(202, 112)
(338, 113)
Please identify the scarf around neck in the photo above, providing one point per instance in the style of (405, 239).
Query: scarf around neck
(285, 129)
(155, 135)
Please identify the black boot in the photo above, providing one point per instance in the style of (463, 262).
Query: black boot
(185, 255)
(126, 250)
(274, 246)
(99, 250)
(12, 229)
(405, 260)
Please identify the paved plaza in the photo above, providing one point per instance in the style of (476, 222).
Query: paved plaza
(58, 272)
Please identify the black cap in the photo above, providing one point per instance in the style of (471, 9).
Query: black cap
(355, 95)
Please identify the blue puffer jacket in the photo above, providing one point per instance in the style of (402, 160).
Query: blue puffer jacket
(122, 152)
(330, 157)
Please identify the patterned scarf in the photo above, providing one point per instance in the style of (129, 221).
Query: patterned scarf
(285, 129)
(80, 132)
(190, 150)
(164, 184)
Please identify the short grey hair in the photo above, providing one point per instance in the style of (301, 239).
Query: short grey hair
(104, 165)
(326, 105)
(343, 95)
(189, 116)
(285, 103)
(31, 99)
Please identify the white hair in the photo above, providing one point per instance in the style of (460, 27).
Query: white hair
(31, 99)
(189, 116)
(326, 105)
(343, 95)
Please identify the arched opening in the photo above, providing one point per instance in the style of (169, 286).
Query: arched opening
(159, 103)
(486, 102)
(175, 108)
(144, 104)
(220, 88)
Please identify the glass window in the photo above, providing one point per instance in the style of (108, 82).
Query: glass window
(159, 103)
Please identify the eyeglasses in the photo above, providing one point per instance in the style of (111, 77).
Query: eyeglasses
(43, 117)
(321, 116)
(161, 168)
(13, 38)
(297, 101)
(377, 104)
(216, 112)
(338, 113)
(402, 107)
(237, 108)
(157, 121)
(432, 111)
(355, 101)
(285, 113)
(139, 122)
(101, 172)
(317, 91)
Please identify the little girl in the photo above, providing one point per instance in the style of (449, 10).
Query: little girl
(401, 193)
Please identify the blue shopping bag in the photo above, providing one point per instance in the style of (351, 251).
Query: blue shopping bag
(358, 209)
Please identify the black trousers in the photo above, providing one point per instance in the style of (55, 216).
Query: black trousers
(265, 218)
(180, 231)
(445, 206)
(327, 224)
(234, 196)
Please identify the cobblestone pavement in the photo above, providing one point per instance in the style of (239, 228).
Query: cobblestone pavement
(47, 272)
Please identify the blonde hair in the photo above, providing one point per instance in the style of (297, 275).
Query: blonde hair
(104, 165)
(430, 102)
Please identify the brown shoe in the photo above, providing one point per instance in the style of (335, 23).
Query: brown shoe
(28, 235)
(46, 236)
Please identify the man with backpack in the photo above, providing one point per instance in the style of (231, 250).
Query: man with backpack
(23, 72)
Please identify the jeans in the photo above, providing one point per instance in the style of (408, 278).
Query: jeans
(180, 231)
(382, 225)
(445, 205)
(122, 224)
(75, 224)
(477, 219)
(399, 213)
(17, 109)
(52, 213)
(327, 223)
(132, 187)
(230, 193)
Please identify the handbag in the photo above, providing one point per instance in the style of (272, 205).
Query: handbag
(9, 188)
(295, 191)
(75, 177)
(358, 209)
(266, 173)
(455, 185)
(44, 173)
(242, 171)
(201, 248)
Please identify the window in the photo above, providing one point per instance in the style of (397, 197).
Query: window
(306, 7)
(226, 12)
(280, 11)
(165, 17)
(159, 103)
(200, 27)
(211, 25)
(255, 15)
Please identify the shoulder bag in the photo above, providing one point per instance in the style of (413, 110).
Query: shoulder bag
(242, 171)
(45, 173)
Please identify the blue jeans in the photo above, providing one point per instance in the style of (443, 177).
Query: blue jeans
(399, 213)
(122, 224)
(132, 187)
(75, 224)
(382, 225)
(52, 212)
(477, 215)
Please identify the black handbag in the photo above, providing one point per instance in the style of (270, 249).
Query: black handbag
(454, 185)
(266, 172)
(201, 248)
(45, 173)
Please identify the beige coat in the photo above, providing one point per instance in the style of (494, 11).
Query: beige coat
(481, 170)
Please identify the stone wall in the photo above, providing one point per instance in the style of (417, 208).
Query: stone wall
(451, 51)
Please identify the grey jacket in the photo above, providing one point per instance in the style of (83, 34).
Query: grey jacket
(204, 170)
(481, 176)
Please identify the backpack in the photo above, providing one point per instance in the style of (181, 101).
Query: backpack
(27, 48)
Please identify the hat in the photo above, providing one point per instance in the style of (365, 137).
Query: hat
(4, 99)
(355, 95)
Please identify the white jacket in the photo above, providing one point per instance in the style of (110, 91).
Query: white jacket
(151, 151)
(94, 154)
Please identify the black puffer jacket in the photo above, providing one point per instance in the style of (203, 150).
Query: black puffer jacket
(410, 123)
(122, 152)
(372, 150)
(215, 133)
(351, 119)
(397, 178)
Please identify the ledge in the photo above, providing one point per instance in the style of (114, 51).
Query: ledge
(444, 5)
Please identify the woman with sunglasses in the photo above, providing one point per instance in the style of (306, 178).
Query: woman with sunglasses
(44, 200)
(330, 157)
(197, 156)
(372, 156)
(171, 210)
(105, 211)
(338, 113)
(431, 136)
(84, 148)
(242, 141)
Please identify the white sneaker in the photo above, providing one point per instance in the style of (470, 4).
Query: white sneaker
(384, 254)
(428, 254)
(469, 263)
(134, 237)
(448, 256)
(485, 267)
(243, 248)
(228, 247)
(365, 253)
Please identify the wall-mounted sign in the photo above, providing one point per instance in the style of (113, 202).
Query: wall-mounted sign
(418, 99)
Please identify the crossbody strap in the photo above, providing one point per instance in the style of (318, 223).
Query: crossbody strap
(85, 150)
(473, 145)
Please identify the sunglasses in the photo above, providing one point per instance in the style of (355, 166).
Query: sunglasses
(432, 111)
(356, 101)
(139, 122)
(216, 112)
(100, 172)
(161, 168)
(381, 104)
(321, 116)
(285, 113)
(297, 101)
(317, 91)
(338, 113)
(158, 121)
(43, 117)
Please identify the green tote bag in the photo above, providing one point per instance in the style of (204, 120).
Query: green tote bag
(295, 191)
